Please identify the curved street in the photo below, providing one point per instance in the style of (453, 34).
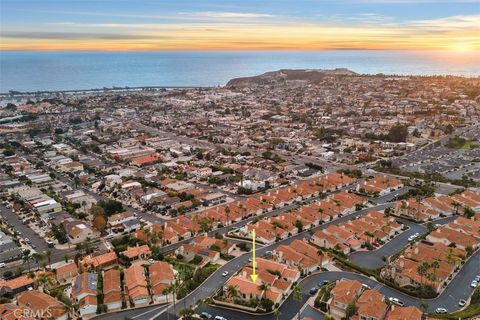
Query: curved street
(459, 287)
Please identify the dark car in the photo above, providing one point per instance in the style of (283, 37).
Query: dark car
(324, 282)
(313, 291)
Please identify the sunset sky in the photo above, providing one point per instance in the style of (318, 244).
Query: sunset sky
(239, 24)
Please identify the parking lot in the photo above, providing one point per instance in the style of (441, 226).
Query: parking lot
(452, 163)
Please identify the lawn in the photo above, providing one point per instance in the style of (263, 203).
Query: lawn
(461, 143)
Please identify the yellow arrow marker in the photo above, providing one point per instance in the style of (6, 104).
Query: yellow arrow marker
(254, 263)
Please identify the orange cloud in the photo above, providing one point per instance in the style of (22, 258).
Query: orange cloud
(273, 35)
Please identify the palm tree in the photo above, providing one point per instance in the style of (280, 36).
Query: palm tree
(277, 313)
(435, 265)
(166, 292)
(41, 280)
(456, 206)
(26, 258)
(48, 253)
(263, 287)
(422, 270)
(369, 236)
(449, 255)
(67, 308)
(424, 306)
(232, 291)
(37, 257)
(320, 253)
(86, 245)
(321, 215)
(187, 313)
(297, 296)
(173, 289)
(227, 213)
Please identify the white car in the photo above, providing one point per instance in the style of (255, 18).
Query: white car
(441, 310)
(396, 301)
(2, 265)
(474, 284)
(225, 273)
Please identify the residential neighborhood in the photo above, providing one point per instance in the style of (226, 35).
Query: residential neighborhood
(330, 194)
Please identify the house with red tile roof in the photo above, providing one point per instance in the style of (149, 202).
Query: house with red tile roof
(161, 275)
(66, 272)
(138, 252)
(42, 304)
(327, 240)
(415, 210)
(207, 242)
(146, 160)
(371, 305)
(466, 200)
(136, 285)
(279, 277)
(444, 207)
(188, 224)
(379, 186)
(8, 311)
(299, 254)
(182, 232)
(85, 285)
(112, 290)
(88, 306)
(102, 261)
(344, 293)
(405, 313)
(189, 251)
(16, 285)
(404, 270)
(448, 236)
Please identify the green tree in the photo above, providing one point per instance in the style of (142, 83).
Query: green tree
(277, 313)
(351, 310)
(398, 133)
(297, 296)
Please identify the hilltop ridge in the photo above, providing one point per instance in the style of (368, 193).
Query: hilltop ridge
(308, 75)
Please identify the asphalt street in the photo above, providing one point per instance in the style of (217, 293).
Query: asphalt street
(458, 289)
(374, 259)
(214, 283)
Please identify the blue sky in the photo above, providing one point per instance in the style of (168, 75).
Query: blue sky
(242, 24)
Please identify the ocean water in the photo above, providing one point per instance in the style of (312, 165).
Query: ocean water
(38, 71)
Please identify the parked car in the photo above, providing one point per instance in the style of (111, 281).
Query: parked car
(225, 273)
(396, 301)
(206, 315)
(324, 282)
(2, 265)
(462, 302)
(220, 318)
(313, 291)
(477, 278)
(474, 284)
(366, 286)
(441, 310)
